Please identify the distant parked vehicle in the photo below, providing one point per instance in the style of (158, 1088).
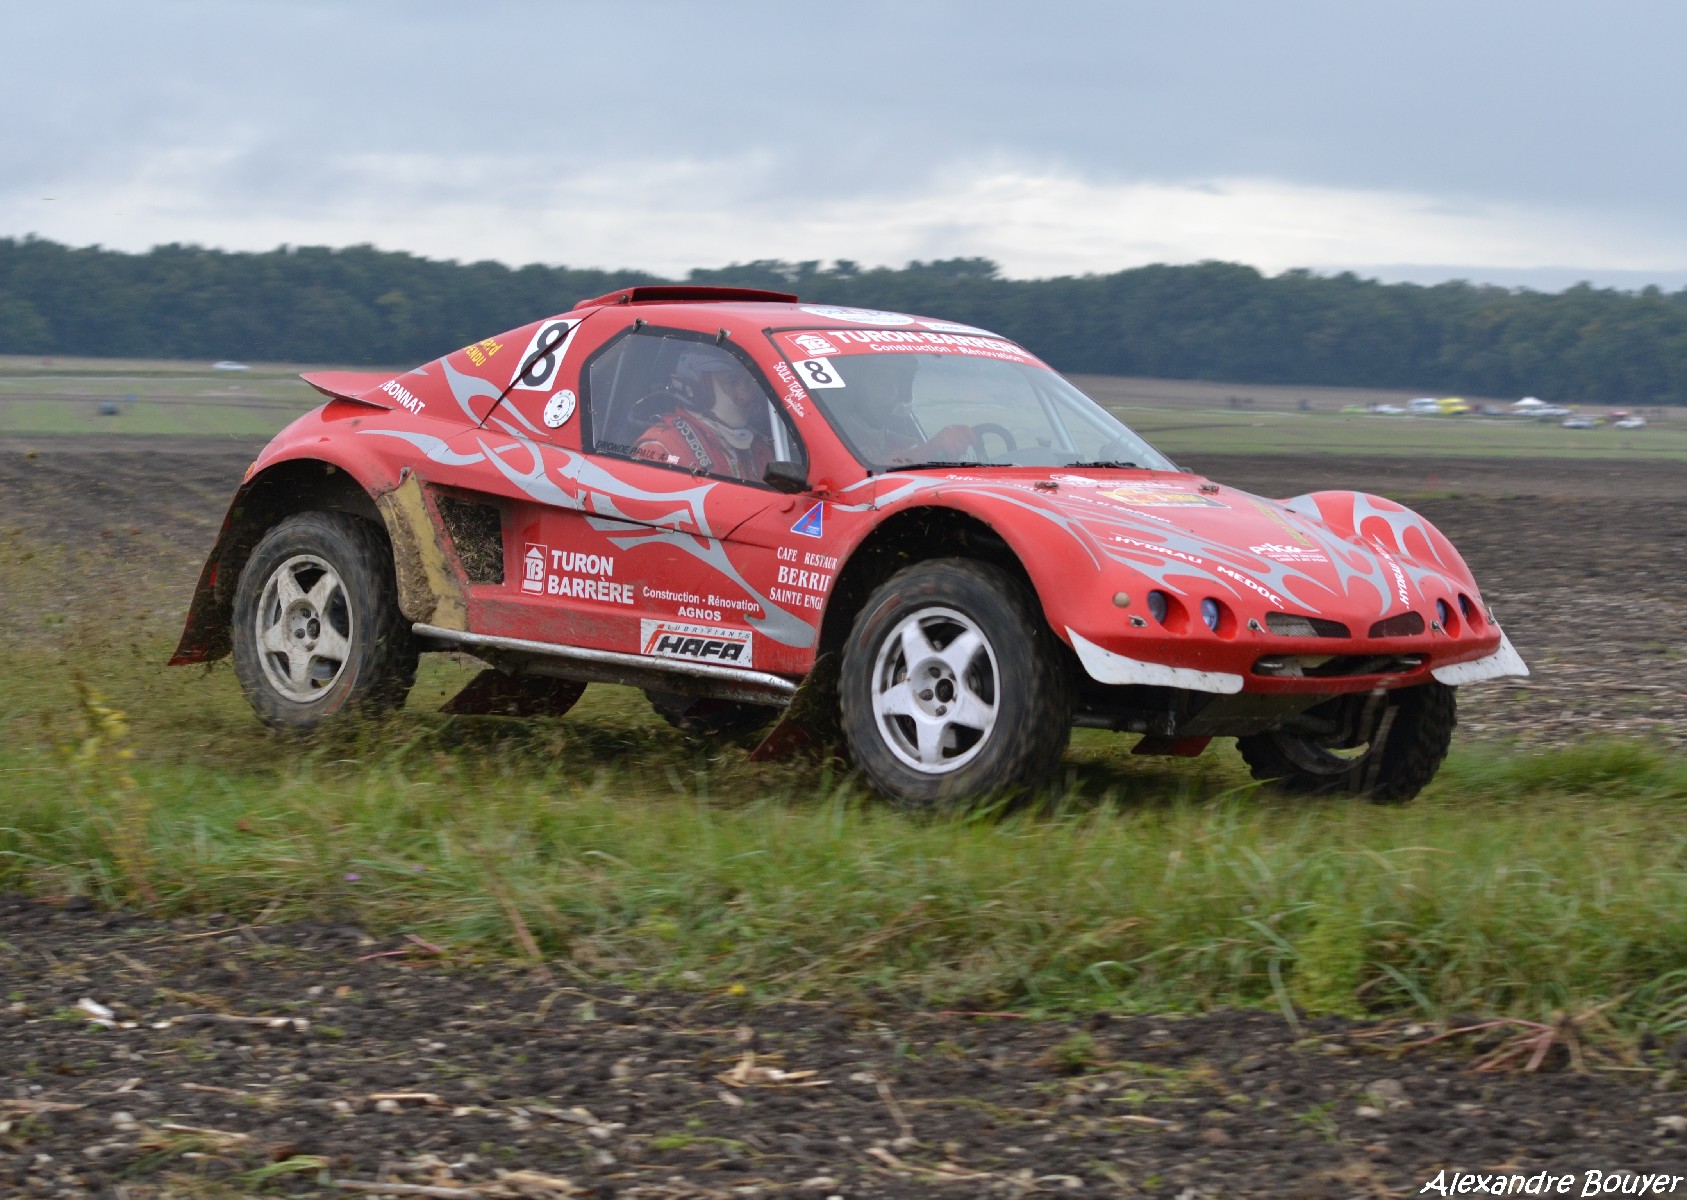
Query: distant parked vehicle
(1552, 412)
(1578, 423)
(1424, 406)
(1388, 410)
(1632, 421)
(228, 365)
(1452, 406)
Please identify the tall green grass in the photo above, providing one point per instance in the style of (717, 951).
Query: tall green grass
(609, 844)
(1524, 887)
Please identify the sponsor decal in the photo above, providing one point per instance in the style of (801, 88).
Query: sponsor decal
(861, 316)
(700, 608)
(482, 350)
(794, 394)
(794, 598)
(1289, 554)
(1251, 584)
(813, 522)
(559, 408)
(800, 346)
(950, 327)
(573, 574)
(1275, 515)
(819, 373)
(1153, 495)
(540, 362)
(1399, 575)
(1163, 551)
(704, 460)
(405, 397)
(816, 345)
(533, 567)
(747, 607)
(800, 585)
(696, 643)
(811, 581)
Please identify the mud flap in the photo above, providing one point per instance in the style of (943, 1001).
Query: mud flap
(430, 590)
(493, 693)
(812, 722)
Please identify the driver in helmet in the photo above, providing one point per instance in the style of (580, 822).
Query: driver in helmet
(888, 433)
(711, 429)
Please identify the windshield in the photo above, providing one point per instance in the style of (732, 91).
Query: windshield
(903, 404)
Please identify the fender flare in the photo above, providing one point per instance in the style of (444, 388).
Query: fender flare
(430, 581)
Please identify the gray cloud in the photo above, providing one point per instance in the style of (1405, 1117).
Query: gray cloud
(287, 107)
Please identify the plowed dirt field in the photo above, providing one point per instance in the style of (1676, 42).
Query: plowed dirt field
(215, 1059)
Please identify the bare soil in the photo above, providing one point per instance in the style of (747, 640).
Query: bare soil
(311, 1059)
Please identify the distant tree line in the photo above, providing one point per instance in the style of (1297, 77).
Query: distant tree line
(1214, 321)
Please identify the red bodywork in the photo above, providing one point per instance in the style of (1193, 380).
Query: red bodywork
(650, 560)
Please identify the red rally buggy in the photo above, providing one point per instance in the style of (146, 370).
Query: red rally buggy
(907, 531)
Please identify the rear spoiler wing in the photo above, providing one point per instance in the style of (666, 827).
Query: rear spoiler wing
(359, 387)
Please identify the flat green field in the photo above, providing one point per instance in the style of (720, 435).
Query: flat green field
(1181, 417)
(126, 396)
(1185, 417)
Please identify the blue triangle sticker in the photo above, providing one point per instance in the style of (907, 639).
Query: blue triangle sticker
(813, 522)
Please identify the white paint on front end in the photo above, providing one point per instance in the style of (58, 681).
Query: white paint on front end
(1501, 663)
(1104, 666)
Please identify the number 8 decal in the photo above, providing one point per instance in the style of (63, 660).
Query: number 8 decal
(538, 364)
(819, 373)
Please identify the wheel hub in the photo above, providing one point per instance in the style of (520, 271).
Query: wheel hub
(935, 690)
(304, 623)
(303, 628)
(938, 690)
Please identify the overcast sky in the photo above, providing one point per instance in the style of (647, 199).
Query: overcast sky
(1532, 143)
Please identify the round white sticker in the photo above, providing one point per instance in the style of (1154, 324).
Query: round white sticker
(559, 408)
(860, 316)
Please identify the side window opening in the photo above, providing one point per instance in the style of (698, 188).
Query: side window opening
(679, 399)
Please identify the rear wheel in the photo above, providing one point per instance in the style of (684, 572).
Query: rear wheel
(1385, 746)
(317, 631)
(952, 686)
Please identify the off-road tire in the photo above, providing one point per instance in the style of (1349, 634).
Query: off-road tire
(1016, 677)
(708, 718)
(1418, 734)
(377, 664)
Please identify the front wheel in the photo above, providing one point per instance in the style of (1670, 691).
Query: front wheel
(317, 630)
(953, 687)
(1385, 746)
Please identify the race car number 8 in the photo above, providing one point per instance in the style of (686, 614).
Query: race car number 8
(544, 353)
(819, 373)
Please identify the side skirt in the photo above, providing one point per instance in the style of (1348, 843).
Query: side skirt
(607, 666)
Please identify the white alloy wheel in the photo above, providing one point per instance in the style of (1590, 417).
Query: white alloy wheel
(303, 628)
(935, 690)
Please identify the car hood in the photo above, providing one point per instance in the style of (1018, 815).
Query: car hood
(1345, 555)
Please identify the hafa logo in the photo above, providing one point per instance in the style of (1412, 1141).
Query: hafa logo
(813, 522)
